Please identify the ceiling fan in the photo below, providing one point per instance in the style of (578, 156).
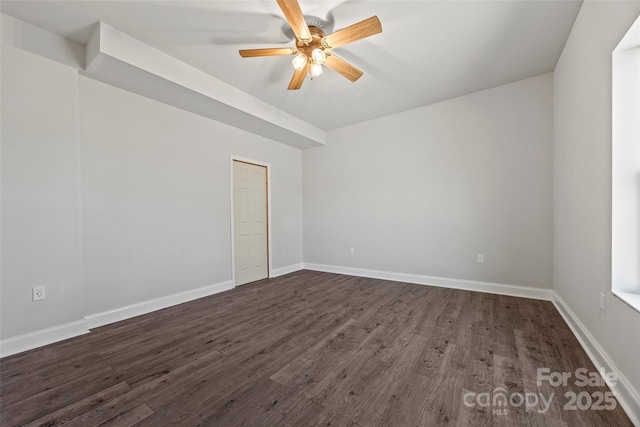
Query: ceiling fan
(314, 48)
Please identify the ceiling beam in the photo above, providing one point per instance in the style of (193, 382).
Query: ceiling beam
(123, 61)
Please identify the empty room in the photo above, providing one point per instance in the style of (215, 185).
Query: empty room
(341, 213)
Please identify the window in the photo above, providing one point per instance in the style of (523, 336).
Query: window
(625, 244)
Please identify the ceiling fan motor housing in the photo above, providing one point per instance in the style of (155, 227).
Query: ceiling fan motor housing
(326, 25)
(316, 42)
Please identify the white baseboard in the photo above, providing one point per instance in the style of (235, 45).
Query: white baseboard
(627, 395)
(277, 272)
(467, 285)
(42, 337)
(144, 307)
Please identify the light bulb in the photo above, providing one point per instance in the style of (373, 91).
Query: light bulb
(315, 70)
(318, 56)
(299, 61)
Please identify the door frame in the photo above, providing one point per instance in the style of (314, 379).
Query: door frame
(233, 158)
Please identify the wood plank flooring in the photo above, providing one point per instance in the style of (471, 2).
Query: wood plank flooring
(311, 348)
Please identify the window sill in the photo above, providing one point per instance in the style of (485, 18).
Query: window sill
(629, 298)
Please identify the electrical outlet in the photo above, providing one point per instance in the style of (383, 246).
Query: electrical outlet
(480, 259)
(602, 302)
(351, 250)
(39, 292)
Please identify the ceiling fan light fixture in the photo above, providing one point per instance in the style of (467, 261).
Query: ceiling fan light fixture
(299, 61)
(318, 56)
(315, 70)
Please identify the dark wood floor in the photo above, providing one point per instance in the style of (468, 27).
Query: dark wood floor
(309, 348)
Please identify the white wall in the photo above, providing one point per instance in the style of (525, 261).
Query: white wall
(110, 199)
(156, 202)
(424, 191)
(40, 193)
(582, 188)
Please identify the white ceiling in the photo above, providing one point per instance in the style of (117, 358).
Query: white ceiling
(428, 51)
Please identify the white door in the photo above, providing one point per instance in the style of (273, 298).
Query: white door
(250, 222)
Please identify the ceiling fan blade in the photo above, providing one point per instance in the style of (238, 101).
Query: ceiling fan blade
(275, 51)
(343, 67)
(298, 78)
(357, 31)
(295, 18)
